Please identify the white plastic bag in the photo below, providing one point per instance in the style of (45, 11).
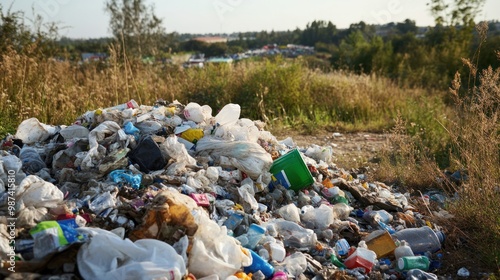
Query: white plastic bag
(249, 157)
(228, 114)
(29, 217)
(215, 252)
(241, 130)
(248, 200)
(212, 174)
(31, 131)
(290, 212)
(107, 256)
(34, 191)
(320, 218)
(296, 264)
(177, 150)
(194, 112)
(13, 164)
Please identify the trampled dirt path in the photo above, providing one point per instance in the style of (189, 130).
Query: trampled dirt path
(352, 148)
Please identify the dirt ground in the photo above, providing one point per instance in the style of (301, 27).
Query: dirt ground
(350, 149)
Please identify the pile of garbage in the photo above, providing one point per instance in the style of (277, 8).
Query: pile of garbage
(172, 192)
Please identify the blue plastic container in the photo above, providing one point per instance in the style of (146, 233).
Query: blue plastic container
(258, 263)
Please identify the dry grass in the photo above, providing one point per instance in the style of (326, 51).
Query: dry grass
(407, 161)
(280, 91)
(476, 139)
(474, 133)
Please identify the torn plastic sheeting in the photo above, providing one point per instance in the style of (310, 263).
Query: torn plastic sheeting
(290, 212)
(107, 256)
(320, 153)
(65, 158)
(74, 131)
(248, 198)
(95, 136)
(295, 264)
(148, 127)
(249, 157)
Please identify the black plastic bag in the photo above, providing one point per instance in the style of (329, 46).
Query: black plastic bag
(147, 155)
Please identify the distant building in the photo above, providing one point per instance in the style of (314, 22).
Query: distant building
(93, 56)
(196, 60)
(211, 40)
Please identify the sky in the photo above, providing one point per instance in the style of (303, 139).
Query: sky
(88, 19)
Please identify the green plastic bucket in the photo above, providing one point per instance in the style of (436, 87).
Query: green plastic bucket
(291, 172)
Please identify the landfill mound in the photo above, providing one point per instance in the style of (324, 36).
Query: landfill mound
(170, 191)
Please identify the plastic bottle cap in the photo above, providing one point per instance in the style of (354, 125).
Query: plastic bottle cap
(401, 264)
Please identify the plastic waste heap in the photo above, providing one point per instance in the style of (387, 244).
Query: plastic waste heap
(170, 191)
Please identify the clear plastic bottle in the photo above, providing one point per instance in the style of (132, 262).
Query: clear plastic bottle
(233, 221)
(375, 216)
(421, 240)
(254, 235)
(294, 235)
(131, 104)
(403, 250)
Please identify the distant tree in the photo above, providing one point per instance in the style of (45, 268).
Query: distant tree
(407, 26)
(194, 46)
(216, 49)
(452, 37)
(13, 32)
(455, 12)
(16, 35)
(136, 25)
(318, 31)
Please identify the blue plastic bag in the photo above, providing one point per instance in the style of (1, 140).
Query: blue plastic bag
(130, 129)
(125, 176)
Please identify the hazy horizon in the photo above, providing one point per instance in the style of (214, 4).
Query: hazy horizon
(79, 19)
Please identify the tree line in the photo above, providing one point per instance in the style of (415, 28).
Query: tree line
(410, 55)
